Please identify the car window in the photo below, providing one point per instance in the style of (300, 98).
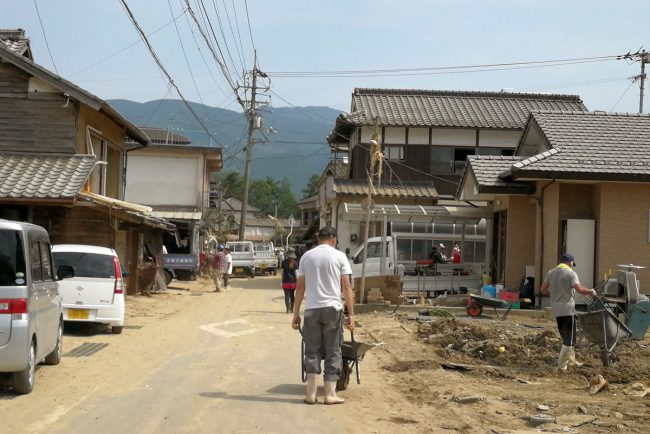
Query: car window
(12, 258)
(46, 261)
(87, 264)
(35, 259)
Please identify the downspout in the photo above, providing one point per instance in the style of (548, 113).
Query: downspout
(540, 272)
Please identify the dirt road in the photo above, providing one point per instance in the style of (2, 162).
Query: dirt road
(191, 361)
(197, 361)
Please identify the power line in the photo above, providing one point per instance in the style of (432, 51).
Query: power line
(240, 51)
(223, 35)
(406, 71)
(187, 62)
(241, 45)
(110, 56)
(163, 69)
(248, 20)
(622, 96)
(47, 44)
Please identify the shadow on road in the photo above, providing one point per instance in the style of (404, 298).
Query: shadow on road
(85, 329)
(266, 312)
(258, 398)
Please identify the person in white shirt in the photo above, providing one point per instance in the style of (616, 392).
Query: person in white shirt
(323, 276)
(228, 269)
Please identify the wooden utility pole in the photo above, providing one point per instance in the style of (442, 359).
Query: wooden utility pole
(375, 147)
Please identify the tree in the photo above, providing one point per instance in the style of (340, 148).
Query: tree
(312, 186)
(232, 183)
(266, 194)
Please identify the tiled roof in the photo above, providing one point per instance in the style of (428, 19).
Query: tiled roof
(464, 109)
(233, 204)
(387, 189)
(486, 170)
(590, 145)
(34, 176)
(16, 41)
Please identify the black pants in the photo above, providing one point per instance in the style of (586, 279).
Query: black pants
(289, 296)
(566, 325)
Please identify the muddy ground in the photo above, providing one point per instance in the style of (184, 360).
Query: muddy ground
(483, 375)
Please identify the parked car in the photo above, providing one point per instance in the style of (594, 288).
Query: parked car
(96, 292)
(31, 320)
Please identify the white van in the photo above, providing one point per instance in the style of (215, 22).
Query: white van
(31, 321)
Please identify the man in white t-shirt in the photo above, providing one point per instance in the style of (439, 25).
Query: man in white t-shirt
(323, 276)
(228, 269)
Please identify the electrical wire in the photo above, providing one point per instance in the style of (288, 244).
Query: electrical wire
(240, 51)
(187, 62)
(223, 62)
(223, 35)
(407, 71)
(622, 96)
(164, 70)
(248, 20)
(47, 44)
(155, 110)
(241, 45)
(110, 56)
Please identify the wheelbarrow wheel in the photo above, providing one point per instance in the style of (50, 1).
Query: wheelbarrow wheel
(344, 378)
(474, 309)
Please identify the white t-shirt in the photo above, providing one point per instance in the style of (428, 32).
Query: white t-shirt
(322, 268)
(229, 263)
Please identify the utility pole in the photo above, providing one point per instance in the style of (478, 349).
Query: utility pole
(254, 122)
(643, 57)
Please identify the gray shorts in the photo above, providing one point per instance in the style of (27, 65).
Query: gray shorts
(323, 335)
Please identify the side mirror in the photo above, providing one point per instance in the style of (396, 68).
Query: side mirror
(64, 272)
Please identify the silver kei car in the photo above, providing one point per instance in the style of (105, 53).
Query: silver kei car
(31, 320)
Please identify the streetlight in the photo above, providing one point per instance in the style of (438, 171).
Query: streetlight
(292, 221)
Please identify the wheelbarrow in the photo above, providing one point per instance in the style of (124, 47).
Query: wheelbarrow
(352, 353)
(602, 327)
(475, 305)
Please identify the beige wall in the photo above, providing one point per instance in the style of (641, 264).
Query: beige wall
(551, 228)
(622, 228)
(520, 244)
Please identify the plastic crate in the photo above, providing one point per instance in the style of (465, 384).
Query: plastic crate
(508, 296)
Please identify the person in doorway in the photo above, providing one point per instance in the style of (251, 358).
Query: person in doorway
(227, 268)
(323, 276)
(289, 268)
(455, 254)
(218, 265)
(562, 283)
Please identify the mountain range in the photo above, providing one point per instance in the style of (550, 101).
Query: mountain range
(296, 147)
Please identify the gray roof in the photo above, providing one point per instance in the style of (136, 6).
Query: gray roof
(453, 109)
(34, 176)
(387, 188)
(73, 91)
(164, 136)
(486, 170)
(236, 205)
(588, 145)
(16, 41)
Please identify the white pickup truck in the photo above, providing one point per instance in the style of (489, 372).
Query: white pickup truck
(243, 257)
(265, 259)
(435, 281)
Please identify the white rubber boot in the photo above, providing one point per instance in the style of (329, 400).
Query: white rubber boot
(572, 358)
(563, 359)
(312, 386)
(330, 394)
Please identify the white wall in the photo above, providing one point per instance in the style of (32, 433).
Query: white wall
(160, 180)
(453, 137)
(502, 139)
(418, 136)
(394, 135)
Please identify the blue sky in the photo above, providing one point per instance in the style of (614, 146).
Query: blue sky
(304, 35)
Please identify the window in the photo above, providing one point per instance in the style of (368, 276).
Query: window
(12, 258)
(46, 259)
(394, 152)
(403, 249)
(35, 259)
(441, 160)
(87, 264)
(460, 158)
(105, 179)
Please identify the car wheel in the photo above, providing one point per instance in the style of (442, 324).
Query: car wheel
(168, 277)
(54, 358)
(117, 330)
(24, 380)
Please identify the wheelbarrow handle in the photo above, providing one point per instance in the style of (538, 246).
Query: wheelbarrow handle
(356, 358)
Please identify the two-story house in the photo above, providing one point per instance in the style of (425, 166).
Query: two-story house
(62, 153)
(426, 137)
(172, 176)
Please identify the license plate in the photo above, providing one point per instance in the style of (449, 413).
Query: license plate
(78, 314)
(239, 270)
(264, 266)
